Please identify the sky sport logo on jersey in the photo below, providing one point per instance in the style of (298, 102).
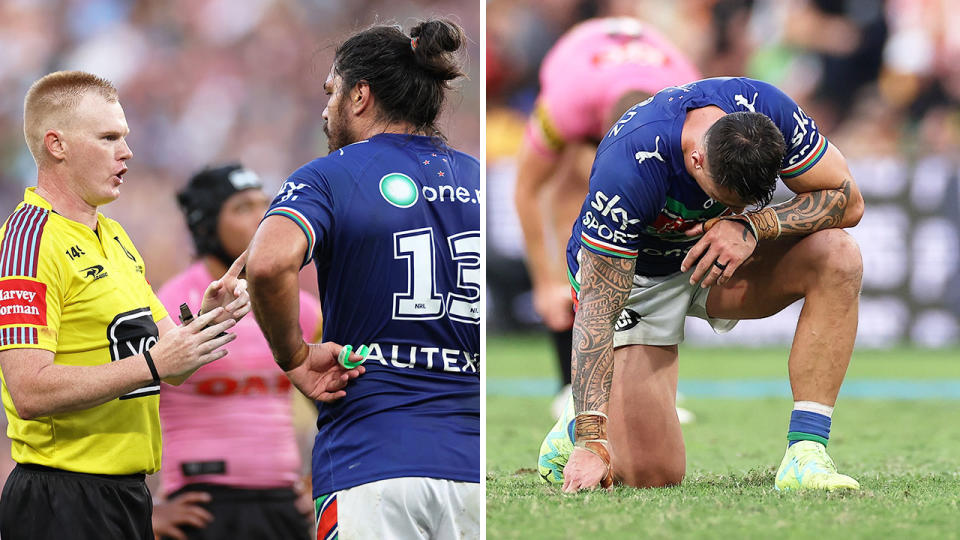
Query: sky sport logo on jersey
(401, 191)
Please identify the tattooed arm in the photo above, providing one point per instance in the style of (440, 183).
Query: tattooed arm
(827, 197)
(605, 284)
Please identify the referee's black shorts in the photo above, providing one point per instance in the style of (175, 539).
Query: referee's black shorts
(40, 503)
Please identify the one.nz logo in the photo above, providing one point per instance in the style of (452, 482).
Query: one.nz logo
(628, 319)
(130, 334)
(96, 272)
(399, 190)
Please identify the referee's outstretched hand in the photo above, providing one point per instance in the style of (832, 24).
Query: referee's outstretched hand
(184, 349)
(321, 377)
(229, 292)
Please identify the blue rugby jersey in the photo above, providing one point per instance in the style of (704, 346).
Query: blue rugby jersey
(393, 226)
(642, 200)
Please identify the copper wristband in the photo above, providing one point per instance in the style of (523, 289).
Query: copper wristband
(590, 433)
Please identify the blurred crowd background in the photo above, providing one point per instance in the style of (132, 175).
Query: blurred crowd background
(880, 78)
(203, 82)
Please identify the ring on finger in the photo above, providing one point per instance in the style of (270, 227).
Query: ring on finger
(722, 267)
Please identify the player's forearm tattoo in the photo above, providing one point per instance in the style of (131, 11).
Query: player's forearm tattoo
(603, 292)
(812, 211)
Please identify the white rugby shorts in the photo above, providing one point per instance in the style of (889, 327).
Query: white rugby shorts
(409, 508)
(657, 307)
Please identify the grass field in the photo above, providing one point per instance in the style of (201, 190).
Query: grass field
(904, 451)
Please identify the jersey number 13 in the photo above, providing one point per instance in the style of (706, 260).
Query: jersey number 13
(422, 300)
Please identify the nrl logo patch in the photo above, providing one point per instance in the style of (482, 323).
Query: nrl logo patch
(399, 190)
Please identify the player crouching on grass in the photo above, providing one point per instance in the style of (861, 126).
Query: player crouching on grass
(662, 235)
(588, 79)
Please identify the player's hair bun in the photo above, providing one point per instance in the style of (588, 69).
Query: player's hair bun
(434, 43)
(409, 74)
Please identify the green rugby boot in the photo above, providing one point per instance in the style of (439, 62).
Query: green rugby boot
(806, 465)
(557, 447)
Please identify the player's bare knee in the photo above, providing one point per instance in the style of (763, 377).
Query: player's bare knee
(653, 475)
(836, 260)
(842, 263)
(670, 477)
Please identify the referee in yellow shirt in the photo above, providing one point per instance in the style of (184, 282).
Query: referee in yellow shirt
(84, 342)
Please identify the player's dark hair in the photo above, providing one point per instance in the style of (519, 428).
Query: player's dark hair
(408, 74)
(745, 153)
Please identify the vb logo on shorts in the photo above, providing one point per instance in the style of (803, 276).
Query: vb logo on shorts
(399, 190)
(628, 319)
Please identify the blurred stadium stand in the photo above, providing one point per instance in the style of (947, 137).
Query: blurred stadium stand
(882, 80)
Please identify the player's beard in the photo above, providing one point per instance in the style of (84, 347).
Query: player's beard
(338, 133)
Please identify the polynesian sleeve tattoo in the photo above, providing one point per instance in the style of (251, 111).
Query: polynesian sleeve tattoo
(812, 211)
(606, 282)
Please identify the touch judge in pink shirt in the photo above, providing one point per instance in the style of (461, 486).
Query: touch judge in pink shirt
(230, 458)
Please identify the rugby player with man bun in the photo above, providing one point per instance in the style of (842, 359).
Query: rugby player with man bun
(391, 220)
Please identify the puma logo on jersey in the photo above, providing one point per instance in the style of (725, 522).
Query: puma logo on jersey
(742, 101)
(641, 155)
(95, 271)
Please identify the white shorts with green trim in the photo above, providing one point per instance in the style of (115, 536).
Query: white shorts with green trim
(658, 307)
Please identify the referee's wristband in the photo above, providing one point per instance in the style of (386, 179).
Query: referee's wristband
(152, 366)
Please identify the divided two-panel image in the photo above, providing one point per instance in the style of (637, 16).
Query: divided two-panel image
(459, 270)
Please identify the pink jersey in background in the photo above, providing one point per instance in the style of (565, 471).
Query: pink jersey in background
(590, 68)
(231, 422)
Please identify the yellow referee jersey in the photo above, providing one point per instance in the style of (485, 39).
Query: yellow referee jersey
(82, 295)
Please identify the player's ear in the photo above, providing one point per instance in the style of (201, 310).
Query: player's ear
(698, 159)
(360, 97)
(53, 142)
